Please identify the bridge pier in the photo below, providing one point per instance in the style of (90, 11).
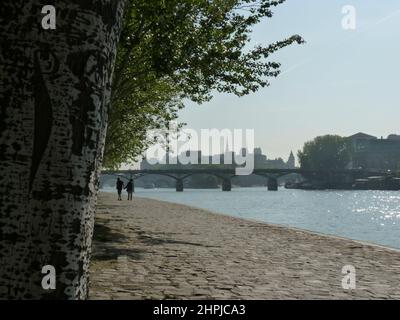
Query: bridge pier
(272, 184)
(179, 185)
(226, 185)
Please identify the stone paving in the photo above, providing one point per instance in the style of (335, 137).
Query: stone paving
(148, 249)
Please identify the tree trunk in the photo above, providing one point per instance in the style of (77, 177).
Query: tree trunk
(54, 97)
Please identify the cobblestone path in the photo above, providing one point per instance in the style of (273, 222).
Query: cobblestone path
(156, 250)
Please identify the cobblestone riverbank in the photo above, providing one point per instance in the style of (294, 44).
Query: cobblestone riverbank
(148, 249)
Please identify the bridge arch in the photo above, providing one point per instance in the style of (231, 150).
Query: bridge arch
(222, 177)
(157, 174)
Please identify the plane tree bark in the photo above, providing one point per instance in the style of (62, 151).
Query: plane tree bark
(54, 97)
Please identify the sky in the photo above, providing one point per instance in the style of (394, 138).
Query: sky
(339, 82)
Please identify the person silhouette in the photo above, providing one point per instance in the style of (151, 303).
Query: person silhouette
(129, 189)
(120, 186)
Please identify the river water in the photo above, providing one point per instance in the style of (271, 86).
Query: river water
(372, 216)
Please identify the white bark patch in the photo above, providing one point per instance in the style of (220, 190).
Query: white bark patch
(51, 222)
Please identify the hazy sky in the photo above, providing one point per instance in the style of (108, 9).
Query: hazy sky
(340, 81)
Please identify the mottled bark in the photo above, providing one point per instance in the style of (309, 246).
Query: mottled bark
(54, 97)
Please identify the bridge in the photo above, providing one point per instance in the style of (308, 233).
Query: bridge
(226, 175)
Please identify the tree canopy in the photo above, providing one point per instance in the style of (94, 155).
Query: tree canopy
(183, 49)
(330, 152)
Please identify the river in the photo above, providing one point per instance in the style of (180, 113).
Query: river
(371, 216)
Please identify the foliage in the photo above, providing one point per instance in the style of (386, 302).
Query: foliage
(330, 152)
(183, 49)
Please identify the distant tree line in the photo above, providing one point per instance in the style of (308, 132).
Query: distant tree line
(332, 152)
(329, 152)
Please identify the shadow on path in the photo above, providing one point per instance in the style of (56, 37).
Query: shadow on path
(106, 244)
(149, 240)
(109, 245)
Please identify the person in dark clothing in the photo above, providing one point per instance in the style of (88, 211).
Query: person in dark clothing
(120, 186)
(129, 189)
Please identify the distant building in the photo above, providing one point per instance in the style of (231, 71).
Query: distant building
(258, 152)
(260, 160)
(372, 153)
(145, 165)
(291, 161)
(394, 137)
